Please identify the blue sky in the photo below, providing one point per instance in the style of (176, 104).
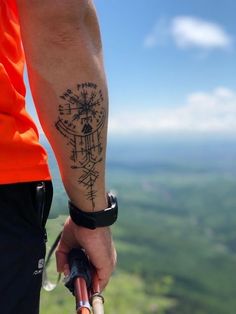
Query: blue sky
(170, 65)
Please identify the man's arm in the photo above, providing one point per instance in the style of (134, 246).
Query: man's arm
(63, 51)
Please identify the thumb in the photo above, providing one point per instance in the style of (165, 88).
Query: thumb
(61, 257)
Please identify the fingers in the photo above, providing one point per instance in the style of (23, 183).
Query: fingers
(62, 263)
(64, 246)
(104, 273)
(66, 270)
(103, 278)
(97, 244)
(61, 259)
(103, 283)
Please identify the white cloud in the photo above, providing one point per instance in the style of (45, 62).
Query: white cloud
(203, 112)
(158, 34)
(190, 31)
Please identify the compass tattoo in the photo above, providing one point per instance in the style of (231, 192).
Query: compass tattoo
(81, 121)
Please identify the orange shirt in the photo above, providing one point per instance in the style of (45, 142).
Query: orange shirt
(22, 158)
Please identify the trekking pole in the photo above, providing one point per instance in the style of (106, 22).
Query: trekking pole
(83, 283)
(81, 297)
(97, 299)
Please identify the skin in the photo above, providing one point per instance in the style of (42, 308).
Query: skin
(64, 58)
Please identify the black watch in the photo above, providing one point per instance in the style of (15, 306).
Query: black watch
(93, 220)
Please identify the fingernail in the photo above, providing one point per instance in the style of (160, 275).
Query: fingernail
(66, 270)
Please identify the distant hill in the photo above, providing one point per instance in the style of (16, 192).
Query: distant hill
(177, 222)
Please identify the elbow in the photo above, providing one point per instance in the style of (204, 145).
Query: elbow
(55, 31)
(58, 21)
(66, 23)
(76, 28)
(79, 28)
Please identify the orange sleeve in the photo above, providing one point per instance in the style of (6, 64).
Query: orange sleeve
(22, 158)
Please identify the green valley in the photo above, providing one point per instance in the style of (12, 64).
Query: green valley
(176, 234)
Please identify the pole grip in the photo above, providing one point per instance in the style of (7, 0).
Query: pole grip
(83, 282)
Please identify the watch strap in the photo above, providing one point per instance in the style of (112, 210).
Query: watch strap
(93, 220)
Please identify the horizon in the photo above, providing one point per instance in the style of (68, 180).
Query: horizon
(170, 66)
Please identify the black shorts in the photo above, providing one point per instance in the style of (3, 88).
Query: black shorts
(24, 208)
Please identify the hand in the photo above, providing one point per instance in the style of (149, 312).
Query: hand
(98, 245)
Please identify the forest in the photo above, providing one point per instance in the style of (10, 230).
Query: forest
(175, 236)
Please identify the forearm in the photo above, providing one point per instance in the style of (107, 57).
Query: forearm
(65, 66)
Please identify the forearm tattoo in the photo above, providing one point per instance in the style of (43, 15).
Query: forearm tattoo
(81, 121)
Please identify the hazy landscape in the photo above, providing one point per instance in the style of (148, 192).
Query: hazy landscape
(175, 236)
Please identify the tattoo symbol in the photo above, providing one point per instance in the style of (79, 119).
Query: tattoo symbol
(81, 120)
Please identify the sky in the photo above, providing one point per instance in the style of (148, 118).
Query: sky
(170, 65)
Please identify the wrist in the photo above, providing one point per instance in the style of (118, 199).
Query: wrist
(81, 200)
(96, 219)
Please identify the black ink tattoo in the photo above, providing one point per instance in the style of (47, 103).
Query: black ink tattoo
(81, 120)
